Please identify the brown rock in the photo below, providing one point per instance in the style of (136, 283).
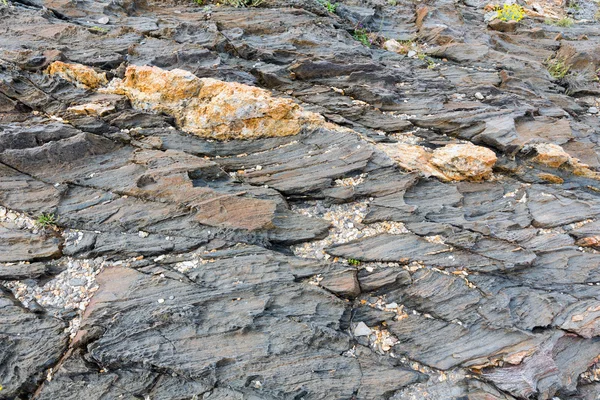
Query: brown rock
(503, 26)
(212, 108)
(98, 109)
(551, 155)
(590, 241)
(456, 162)
(413, 158)
(343, 284)
(78, 74)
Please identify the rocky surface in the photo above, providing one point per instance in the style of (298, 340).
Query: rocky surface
(372, 200)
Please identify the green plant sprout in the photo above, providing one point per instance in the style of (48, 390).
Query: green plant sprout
(46, 220)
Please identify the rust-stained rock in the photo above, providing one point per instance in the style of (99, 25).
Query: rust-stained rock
(212, 108)
(589, 241)
(551, 178)
(551, 155)
(554, 156)
(464, 161)
(454, 162)
(413, 158)
(80, 75)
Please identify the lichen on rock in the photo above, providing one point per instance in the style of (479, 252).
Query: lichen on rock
(81, 75)
(212, 108)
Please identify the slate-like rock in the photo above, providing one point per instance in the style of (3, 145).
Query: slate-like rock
(30, 344)
(21, 245)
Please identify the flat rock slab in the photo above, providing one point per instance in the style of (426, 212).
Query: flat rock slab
(21, 245)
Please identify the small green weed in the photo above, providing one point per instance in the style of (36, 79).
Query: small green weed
(557, 68)
(5, 2)
(353, 261)
(423, 57)
(512, 12)
(565, 22)
(46, 220)
(362, 35)
(331, 7)
(393, 3)
(199, 2)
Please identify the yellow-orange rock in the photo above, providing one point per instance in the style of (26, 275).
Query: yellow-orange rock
(554, 156)
(454, 162)
(80, 75)
(212, 108)
(464, 161)
(551, 155)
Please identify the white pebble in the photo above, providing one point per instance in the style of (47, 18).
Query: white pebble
(362, 329)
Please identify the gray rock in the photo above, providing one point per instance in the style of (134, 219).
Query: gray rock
(20, 245)
(30, 344)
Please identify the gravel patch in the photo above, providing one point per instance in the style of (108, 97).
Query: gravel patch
(66, 293)
(346, 225)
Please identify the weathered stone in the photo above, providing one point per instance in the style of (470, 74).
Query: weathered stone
(78, 74)
(395, 46)
(555, 156)
(452, 162)
(503, 26)
(550, 368)
(343, 283)
(20, 245)
(211, 108)
(464, 161)
(30, 344)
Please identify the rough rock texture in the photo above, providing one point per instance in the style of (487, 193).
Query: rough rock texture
(212, 108)
(413, 219)
(21, 245)
(30, 343)
(454, 162)
(78, 74)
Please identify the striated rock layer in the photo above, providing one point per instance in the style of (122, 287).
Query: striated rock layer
(435, 239)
